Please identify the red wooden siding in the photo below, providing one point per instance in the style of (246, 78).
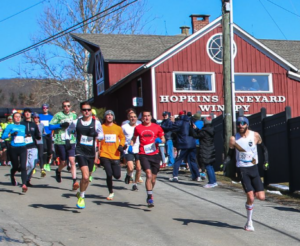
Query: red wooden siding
(194, 58)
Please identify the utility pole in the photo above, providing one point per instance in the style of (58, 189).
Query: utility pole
(226, 7)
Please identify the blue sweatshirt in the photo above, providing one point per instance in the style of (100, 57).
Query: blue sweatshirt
(45, 119)
(18, 140)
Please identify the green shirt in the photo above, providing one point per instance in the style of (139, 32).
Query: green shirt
(60, 135)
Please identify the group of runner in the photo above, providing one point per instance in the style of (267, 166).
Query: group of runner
(82, 140)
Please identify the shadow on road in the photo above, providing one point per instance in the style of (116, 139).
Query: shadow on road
(285, 209)
(45, 186)
(89, 196)
(182, 182)
(123, 205)
(207, 222)
(114, 187)
(59, 207)
(11, 191)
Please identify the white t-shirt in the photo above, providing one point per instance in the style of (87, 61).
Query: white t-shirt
(128, 131)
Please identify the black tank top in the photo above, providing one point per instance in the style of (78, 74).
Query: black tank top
(85, 145)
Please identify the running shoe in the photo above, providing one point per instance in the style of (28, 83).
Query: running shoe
(33, 171)
(135, 188)
(210, 185)
(91, 179)
(94, 168)
(174, 179)
(80, 203)
(249, 226)
(110, 196)
(43, 173)
(47, 167)
(28, 184)
(24, 188)
(127, 179)
(57, 176)
(150, 202)
(75, 186)
(141, 180)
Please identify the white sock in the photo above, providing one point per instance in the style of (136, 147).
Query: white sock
(82, 194)
(249, 209)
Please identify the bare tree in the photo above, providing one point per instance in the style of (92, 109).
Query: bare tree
(62, 64)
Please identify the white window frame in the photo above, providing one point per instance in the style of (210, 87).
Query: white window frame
(99, 72)
(270, 80)
(213, 82)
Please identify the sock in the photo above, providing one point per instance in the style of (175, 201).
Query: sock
(249, 209)
(149, 193)
(82, 194)
(130, 174)
(74, 181)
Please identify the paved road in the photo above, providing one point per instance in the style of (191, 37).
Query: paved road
(184, 214)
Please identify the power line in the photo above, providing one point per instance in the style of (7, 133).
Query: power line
(273, 19)
(22, 11)
(283, 8)
(70, 29)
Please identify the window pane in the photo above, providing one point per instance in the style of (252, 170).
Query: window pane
(251, 82)
(193, 82)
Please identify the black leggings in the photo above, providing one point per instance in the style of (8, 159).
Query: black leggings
(15, 154)
(41, 155)
(48, 145)
(112, 169)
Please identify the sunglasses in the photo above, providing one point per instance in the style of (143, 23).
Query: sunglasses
(69, 106)
(45, 108)
(242, 123)
(86, 109)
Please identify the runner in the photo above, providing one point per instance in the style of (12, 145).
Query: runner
(150, 136)
(32, 135)
(128, 130)
(65, 142)
(87, 130)
(18, 148)
(6, 146)
(45, 119)
(245, 143)
(40, 143)
(110, 150)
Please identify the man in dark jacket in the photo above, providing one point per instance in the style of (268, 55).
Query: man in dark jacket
(186, 148)
(166, 125)
(207, 149)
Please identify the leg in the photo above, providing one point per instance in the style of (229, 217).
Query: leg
(23, 160)
(32, 157)
(170, 151)
(15, 164)
(138, 171)
(193, 163)
(108, 170)
(211, 174)
(180, 156)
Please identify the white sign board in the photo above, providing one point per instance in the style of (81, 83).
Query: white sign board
(137, 102)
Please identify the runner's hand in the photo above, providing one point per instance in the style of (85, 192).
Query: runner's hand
(158, 141)
(13, 134)
(120, 148)
(130, 151)
(266, 166)
(64, 125)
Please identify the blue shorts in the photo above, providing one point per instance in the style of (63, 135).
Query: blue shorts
(63, 153)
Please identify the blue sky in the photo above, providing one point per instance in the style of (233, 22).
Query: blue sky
(261, 18)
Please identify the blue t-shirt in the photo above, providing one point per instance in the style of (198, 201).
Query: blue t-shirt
(19, 139)
(199, 124)
(45, 119)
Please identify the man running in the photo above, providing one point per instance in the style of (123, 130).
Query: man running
(65, 142)
(110, 150)
(128, 130)
(245, 143)
(32, 135)
(45, 119)
(150, 136)
(18, 153)
(87, 130)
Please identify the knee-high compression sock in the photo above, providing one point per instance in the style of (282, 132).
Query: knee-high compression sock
(249, 209)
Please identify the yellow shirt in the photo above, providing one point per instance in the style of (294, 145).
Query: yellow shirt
(113, 137)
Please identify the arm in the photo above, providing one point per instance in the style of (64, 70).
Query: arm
(6, 132)
(230, 153)
(37, 133)
(99, 131)
(259, 142)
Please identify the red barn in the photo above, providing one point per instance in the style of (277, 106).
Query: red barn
(184, 72)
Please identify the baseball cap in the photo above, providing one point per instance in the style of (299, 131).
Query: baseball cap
(242, 119)
(181, 113)
(164, 113)
(45, 105)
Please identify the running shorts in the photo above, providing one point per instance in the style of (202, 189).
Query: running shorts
(250, 179)
(63, 153)
(150, 162)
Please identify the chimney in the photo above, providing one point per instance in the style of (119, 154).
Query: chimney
(185, 30)
(199, 21)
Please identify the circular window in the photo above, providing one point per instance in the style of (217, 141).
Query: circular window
(215, 48)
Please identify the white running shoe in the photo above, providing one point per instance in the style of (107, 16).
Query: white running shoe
(249, 226)
(174, 179)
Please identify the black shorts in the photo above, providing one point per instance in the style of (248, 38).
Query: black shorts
(63, 153)
(84, 161)
(150, 162)
(250, 179)
(132, 157)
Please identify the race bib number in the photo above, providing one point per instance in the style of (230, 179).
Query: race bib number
(110, 138)
(28, 140)
(63, 136)
(85, 140)
(45, 122)
(19, 139)
(149, 148)
(246, 156)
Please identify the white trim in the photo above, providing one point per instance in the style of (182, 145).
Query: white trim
(184, 43)
(294, 76)
(213, 82)
(153, 85)
(264, 49)
(270, 80)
